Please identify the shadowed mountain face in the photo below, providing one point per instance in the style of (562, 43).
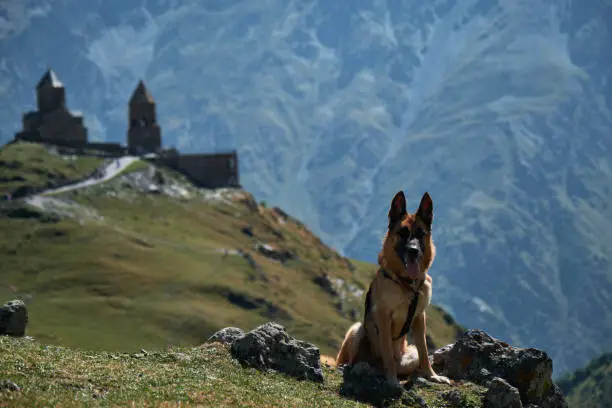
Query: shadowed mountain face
(502, 110)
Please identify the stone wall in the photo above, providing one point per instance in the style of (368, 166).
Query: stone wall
(109, 150)
(206, 170)
(61, 125)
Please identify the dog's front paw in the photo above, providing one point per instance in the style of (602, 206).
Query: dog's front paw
(439, 379)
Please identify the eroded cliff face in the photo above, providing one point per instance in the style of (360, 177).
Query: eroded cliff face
(500, 109)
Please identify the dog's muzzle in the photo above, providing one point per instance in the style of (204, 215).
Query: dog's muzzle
(413, 250)
(410, 254)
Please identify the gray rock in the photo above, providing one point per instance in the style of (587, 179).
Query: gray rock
(13, 318)
(365, 383)
(269, 346)
(325, 283)
(440, 356)
(8, 385)
(274, 253)
(554, 399)
(411, 399)
(502, 395)
(454, 398)
(485, 376)
(422, 382)
(478, 357)
(227, 335)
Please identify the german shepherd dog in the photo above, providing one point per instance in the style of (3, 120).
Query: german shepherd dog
(397, 299)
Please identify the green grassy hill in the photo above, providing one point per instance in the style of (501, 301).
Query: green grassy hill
(31, 165)
(121, 266)
(590, 387)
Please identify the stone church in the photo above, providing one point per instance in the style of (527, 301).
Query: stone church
(144, 137)
(54, 124)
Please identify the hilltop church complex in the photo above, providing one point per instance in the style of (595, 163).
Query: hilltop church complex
(53, 123)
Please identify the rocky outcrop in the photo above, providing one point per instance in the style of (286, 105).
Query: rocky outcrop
(507, 377)
(502, 395)
(364, 383)
(484, 371)
(266, 308)
(482, 359)
(227, 335)
(274, 253)
(326, 284)
(247, 230)
(270, 347)
(13, 318)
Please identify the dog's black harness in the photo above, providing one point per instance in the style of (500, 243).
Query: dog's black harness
(411, 309)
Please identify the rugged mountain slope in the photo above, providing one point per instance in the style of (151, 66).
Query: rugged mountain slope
(500, 109)
(146, 260)
(591, 386)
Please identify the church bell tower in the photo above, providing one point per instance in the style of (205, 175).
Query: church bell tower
(144, 134)
(50, 93)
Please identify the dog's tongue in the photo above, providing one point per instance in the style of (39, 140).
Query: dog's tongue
(412, 270)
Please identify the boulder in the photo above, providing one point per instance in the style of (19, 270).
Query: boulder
(325, 283)
(247, 230)
(363, 382)
(274, 253)
(502, 395)
(440, 356)
(13, 318)
(270, 347)
(478, 357)
(227, 335)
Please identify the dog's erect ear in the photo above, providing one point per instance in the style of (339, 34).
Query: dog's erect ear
(398, 208)
(425, 211)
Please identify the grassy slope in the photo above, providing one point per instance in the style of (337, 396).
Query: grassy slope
(590, 387)
(171, 377)
(29, 164)
(149, 272)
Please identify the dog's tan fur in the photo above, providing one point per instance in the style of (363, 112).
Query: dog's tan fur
(389, 303)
